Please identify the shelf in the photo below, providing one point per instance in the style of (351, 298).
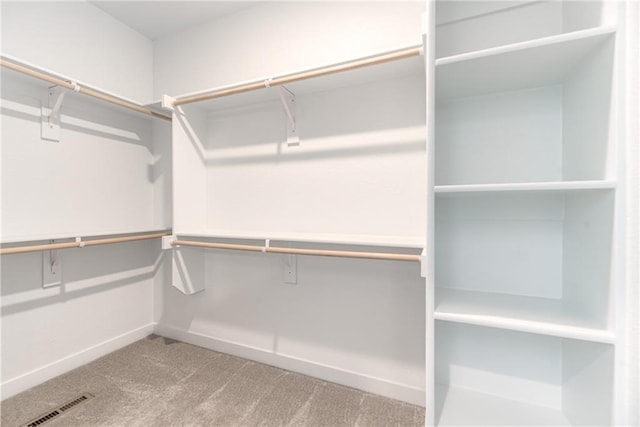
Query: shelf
(532, 262)
(66, 236)
(468, 26)
(451, 12)
(380, 72)
(358, 174)
(338, 239)
(522, 65)
(538, 187)
(488, 376)
(457, 406)
(24, 71)
(557, 130)
(518, 313)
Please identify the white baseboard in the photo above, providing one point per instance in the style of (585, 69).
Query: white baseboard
(371, 384)
(37, 376)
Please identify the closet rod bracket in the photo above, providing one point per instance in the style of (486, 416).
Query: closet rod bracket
(167, 102)
(423, 264)
(51, 105)
(288, 100)
(51, 267)
(167, 242)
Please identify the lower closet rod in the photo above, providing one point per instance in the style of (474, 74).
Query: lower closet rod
(79, 244)
(296, 251)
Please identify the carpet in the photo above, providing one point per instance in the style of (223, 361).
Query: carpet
(161, 382)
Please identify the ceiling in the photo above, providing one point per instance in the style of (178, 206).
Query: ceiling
(155, 19)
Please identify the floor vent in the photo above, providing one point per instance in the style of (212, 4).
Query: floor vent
(58, 411)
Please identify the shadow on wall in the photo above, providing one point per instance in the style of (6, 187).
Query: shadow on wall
(359, 315)
(22, 98)
(160, 164)
(365, 120)
(388, 142)
(85, 271)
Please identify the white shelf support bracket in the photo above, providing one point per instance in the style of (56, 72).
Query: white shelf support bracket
(51, 105)
(423, 264)
(167, 242)
(167, 103)
(51, 268)
(288, 100)
(290, 269)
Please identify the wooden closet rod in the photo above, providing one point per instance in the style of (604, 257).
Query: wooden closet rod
(81, 89)
(79, 244)
(277, 81)
(296, 251)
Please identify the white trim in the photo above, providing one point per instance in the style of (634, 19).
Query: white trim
(90, 234)
(410, 242)
(529, 44)
(627, 403)
(360, 381)
(38, 376)
(528, 186)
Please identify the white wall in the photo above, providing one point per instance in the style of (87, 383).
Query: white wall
(359, 323)
(279, 37)
(98, 178)
(105, 302)
(78, 40)
(105, 174)
(631, 399)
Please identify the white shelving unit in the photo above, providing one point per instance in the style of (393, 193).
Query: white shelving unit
(492, 376)
(357, 177)
(528, 314)
(524, 217)
(522, 65)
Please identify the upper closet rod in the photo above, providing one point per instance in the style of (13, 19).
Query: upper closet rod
(79, 243)
(296, 251)
(30, 71)
(318, 72)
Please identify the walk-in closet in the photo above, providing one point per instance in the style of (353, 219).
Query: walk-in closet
(412, 213)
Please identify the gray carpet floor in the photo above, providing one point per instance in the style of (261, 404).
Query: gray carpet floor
(161, 382)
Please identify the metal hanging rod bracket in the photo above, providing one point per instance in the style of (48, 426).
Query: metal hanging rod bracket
(51, 267)
(288, 100)
(290, 269)
(423, 264)
(51, 105)
(60, 92)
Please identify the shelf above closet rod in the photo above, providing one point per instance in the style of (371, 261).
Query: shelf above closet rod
(79, 243)
(297, 251)
(33, 71)
(303, 75)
